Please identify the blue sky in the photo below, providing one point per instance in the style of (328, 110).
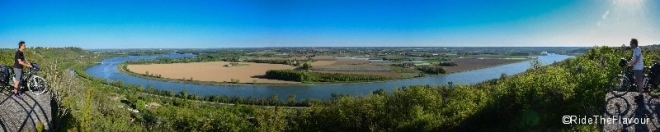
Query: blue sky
(311, 23)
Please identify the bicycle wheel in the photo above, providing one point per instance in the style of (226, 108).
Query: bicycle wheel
(37, 85)
(653, 107)
(619, 85)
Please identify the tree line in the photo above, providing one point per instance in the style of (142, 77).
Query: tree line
(305, 76)
(447, 63)
(432, 69)
(209, 58)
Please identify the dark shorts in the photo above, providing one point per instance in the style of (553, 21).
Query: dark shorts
(18, 73)
(639, 75)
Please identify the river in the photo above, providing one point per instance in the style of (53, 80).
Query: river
(107, 69)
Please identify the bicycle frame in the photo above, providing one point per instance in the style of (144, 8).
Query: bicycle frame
(629, 75)
(26, 75)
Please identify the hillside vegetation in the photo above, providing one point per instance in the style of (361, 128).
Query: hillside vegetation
(533, 100)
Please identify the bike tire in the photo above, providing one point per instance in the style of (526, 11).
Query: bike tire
(653, 106)
(37, 85)
(619, 86)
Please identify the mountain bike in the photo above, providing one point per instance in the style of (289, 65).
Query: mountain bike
(622, 82)
(30, 80)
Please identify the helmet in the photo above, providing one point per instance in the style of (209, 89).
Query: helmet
(35, 66)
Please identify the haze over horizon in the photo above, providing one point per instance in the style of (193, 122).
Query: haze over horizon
(328, 23)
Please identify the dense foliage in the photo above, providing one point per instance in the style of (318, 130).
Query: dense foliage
(310, 77)
(286, 62)
(534, 100)
(531, 101)
(306, 67)
(432, 69)
(447, 63)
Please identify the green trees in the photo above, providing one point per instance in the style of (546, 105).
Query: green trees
(302, 76)
(198, 58)
(307, 67)
(286, 62)
(340, 77)
(273, 100)
(447, 63)
(530, 101)
(290, 75)
(196, 118)
(117, 83)
(291, 99)
(182, 94)
(432, 69)
(416, 108)
(535, 63)
(533, 100)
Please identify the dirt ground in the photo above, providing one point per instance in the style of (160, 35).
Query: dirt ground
(323, 63)
(24, 114)
(629, 112)
(345, 67)
(213, 71)
(325, 57)
(350, 62)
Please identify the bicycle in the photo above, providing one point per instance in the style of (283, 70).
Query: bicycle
(653, 79)
(30, 80)
(622, 82)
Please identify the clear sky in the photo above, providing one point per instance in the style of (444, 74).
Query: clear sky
(313, 23)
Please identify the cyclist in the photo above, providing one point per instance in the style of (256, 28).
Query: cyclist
(19, 63)
(637, 63)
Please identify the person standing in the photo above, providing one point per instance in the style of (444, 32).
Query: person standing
(637, 63)
(19, 63)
